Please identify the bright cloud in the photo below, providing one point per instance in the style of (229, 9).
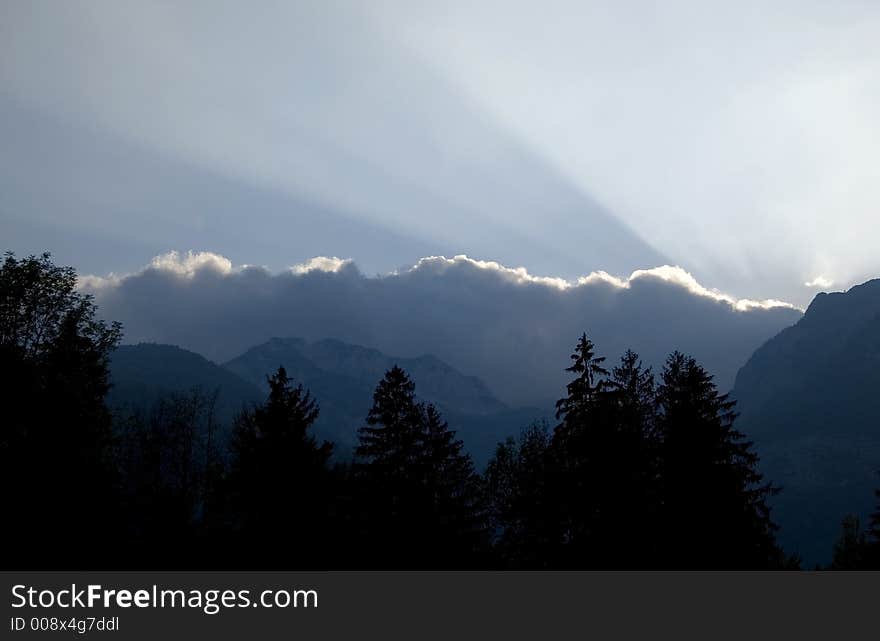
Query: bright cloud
(321, 264)
(819, 282)
(187, 265)
(667, 273)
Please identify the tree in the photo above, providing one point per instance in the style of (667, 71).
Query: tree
(171, 467)
(454, 491)
(56, 438)
(607, 475)
(872, 536)
(850, 548)
(280, 479)
(633, 466)
(583, 390)
(715, 512)
(577, 450)
(391, 440)
(521, 510)
(420, 492)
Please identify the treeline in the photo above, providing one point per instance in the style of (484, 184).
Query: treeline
(637, 472)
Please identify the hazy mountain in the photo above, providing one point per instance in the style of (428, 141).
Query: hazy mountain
(356, 366)
(342, 377)
(339, 375)
(142, 374)
(809, 397)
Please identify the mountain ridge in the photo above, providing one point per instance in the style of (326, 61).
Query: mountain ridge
(808, 397)
(340, 376)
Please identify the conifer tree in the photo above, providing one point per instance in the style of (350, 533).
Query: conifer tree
(580, 475)
(631, 454)
(390, 442)
(454, 490)
(421, 490)
(521, 509)
(715, 512)
(584, 389)
(850, 549)
(605, 450)
(280, 476)
(872, 537)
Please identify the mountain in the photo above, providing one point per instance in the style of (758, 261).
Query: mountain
(142, 374)
(809, 398)
(342, 377)
(356, 366)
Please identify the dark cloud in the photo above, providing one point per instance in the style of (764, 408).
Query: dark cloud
(512, 329)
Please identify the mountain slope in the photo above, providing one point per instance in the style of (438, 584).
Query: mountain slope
(354, 367)
(809, 397)
(342, 377)
(339, 375)
(142, 374)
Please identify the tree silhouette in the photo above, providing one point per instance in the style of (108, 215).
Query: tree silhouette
(632, 465)
(391, 441)
(420, 493)
(850, 548)
(872, 536)
(523, 514)
(606, 454)
(454, 490)
(578, 474)
(56, 439)
(171, 466)
(715, 513)
(280, 479)
(583, 390)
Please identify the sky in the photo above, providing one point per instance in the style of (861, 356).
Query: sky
(738, 141)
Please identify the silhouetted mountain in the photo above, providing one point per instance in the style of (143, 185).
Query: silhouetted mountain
(342, 378)
(339, 375)
(809, 397)
(142, 374)
(437, 382)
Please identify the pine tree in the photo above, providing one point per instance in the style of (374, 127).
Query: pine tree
(632, 454)
(521, 508)
(850, 549)
(635, 394)
(605, 448)
(281, 477)
(872, 537)
(584, 389)
(715, 512)
(454, 490)
(581, 475)
(390, 442)
(421, 490)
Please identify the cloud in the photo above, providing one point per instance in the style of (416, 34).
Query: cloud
(667, 273)
(819, 282)
(321, 264)
(191, 263)
(513, 329)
